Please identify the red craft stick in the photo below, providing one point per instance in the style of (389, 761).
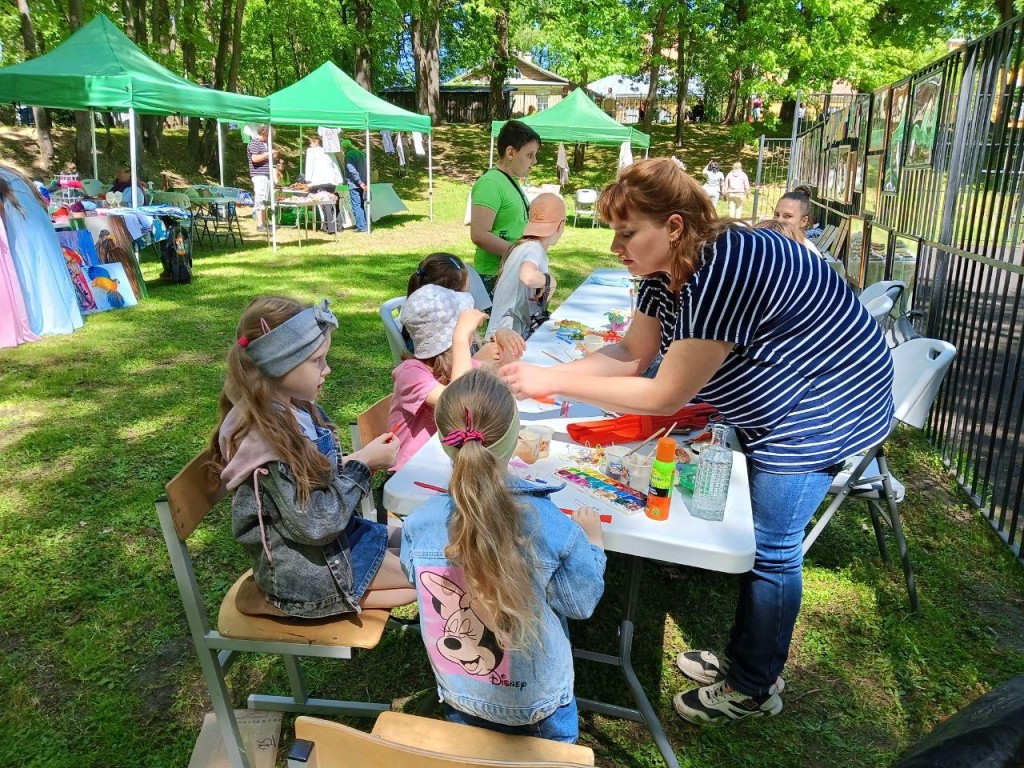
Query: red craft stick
(430, 487)
(604, 518)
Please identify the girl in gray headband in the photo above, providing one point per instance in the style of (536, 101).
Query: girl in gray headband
(295, 494)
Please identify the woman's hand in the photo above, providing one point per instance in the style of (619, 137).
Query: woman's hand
(488, 353)
(527, 380)
(510, 344)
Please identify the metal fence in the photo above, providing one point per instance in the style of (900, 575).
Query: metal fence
(926, 177)
(773, 163)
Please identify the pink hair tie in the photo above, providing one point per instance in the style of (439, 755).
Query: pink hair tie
(459, 437)
(243, 342)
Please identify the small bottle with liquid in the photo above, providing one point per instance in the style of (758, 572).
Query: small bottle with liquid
(714, 469)
(663, 470)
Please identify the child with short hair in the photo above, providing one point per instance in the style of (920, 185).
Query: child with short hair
(442, 325)
(524, 280)
(498, 569)
(295, 493)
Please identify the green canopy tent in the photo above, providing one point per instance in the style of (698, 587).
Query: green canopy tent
(327, 96)
(98, 67)
(577, 118)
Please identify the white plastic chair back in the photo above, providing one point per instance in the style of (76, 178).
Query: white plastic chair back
(879, 307)
(586, 196)
(481, 299)
(392, 329)
(920, 365)
(586, 205)
(894, 289)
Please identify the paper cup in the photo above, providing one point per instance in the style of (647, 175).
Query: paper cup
(546, 434)
(613, 461)
(528, 447)
(637, 471)
(592, 342)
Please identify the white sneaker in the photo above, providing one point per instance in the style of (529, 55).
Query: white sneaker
(718, 705)
(706, 668)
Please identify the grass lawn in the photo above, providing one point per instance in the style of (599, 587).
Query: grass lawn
(97, 666)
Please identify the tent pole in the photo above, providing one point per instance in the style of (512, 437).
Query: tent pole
(271, 212)
(301, 153)
(490, 160)
(220, 152)
(430, 172)
(647, 152)
(366, 197)
(95, 159)
(133, 154)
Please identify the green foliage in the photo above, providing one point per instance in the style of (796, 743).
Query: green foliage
(742, 133)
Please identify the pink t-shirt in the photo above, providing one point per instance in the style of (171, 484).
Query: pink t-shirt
(410, 415)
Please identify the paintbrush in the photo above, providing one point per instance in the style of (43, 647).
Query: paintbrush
(659, 433)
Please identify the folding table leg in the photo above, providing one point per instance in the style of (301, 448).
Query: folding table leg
(644, 712)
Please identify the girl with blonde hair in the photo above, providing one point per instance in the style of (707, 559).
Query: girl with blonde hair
(498, 569)
(727, 305)
(295, 493)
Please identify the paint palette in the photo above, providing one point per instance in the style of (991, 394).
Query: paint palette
(622, 498)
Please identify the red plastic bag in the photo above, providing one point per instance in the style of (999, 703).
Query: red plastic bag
(632, 427)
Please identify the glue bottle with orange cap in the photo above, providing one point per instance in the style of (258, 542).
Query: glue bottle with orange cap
(663, 470)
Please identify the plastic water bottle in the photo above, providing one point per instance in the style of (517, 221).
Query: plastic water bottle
(711, 486)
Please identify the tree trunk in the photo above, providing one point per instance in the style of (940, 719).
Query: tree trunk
(364, 29)
(500, 63)
(208, 146)
(273, 62)
(683, 87)
(1006, 10)
(84, 120)
(108, 123)
(655, 70)
(732, 108)
(426, 38)
(579, 153)
(787, 111)
(236, 47)
(41, 116)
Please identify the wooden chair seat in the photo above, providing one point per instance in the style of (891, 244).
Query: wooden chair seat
(407, 741)
(264, 621)
(469, 742)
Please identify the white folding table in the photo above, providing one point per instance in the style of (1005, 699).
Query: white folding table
(726, 546)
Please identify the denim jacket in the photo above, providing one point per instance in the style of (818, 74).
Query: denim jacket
(474, 674)
(301, 557)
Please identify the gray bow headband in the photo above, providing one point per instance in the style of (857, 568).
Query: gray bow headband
(283, 348)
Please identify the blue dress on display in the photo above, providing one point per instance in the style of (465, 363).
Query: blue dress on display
(49, 295)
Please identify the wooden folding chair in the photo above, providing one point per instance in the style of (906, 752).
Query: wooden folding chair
(262, 628)
(406, 741)
(371, 424)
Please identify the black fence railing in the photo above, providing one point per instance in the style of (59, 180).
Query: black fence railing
(927, 178)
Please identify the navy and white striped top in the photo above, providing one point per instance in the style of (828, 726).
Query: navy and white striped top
(809, 380)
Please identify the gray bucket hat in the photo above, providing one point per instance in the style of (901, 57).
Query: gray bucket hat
(430, 315)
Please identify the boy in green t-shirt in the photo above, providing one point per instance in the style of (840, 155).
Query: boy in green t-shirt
(500, 209)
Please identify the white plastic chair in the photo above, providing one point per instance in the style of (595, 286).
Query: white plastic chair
(586, 205)
(388, 314)
(879, 308)
(894, 289)
(920, 365)
(481, 299)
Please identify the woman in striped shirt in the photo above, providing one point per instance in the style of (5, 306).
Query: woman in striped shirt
(750, 322)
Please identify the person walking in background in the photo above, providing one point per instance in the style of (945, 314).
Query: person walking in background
(259, 155)
(736, 188)
(355, 167)
(608, 105)
(713, 178)
(758, 107)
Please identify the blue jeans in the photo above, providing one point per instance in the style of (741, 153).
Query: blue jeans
(561, 725)
(357, 197)
(770, 593)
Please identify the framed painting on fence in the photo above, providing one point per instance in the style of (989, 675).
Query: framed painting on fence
(831, 173)
(842, 188)
(872, 171)
(923, 120)
(879, 120)
(895, 133)
(855, 252)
